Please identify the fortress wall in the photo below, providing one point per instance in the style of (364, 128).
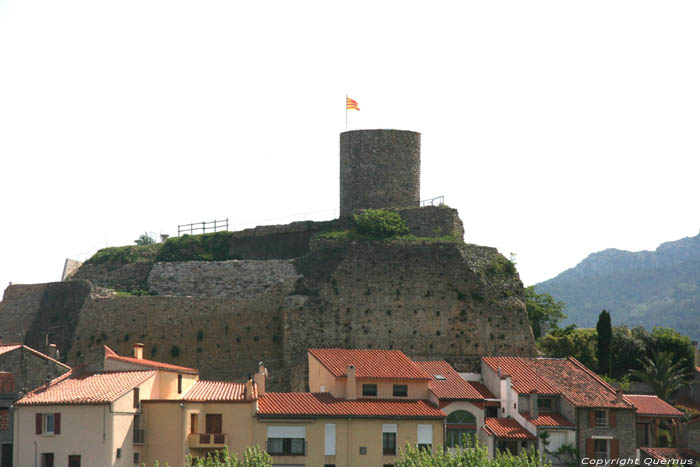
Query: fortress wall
(433, 221)
(235, 333)
(424, 299)
(130, 276)
(275, 241)
(19, 306)
(240, 279)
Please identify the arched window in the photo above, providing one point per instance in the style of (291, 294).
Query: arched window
(461, 417)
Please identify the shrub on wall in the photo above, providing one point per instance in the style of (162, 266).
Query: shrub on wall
(476, 455)
(380, 223)
(206, 247)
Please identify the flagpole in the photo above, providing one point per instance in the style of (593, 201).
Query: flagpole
(346, 112)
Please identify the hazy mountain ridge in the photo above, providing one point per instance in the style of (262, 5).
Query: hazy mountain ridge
(647, 288)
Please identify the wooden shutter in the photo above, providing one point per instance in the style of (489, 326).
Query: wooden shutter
(57, 423)
(39, 420)
(612, 418)
(590, 445)
(614, 448)
(591, 418)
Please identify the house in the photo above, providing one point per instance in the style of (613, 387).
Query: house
(562, 401)
(21, 369)
(94, 417)
(364, 406)
(669, 456)
(651, 411)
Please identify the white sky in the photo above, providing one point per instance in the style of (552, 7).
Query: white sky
(556, 128)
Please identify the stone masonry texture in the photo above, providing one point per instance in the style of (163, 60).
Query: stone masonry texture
(379, 169)
(432, 300)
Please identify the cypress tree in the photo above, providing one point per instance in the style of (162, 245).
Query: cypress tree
(604, 328)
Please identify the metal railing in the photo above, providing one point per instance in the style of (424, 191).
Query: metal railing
(202, 227)
(437, 201)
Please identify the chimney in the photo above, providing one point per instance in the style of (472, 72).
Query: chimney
(53, 351)
(260, 378)
(534, 412)
(249, 390)
(618, 396)
(138, 351)
(350, 383)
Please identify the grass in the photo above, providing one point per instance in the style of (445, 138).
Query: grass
(125, 254)
(348, 235)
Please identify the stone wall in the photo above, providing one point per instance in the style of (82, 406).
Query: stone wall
(379, 169)
(29, 369)
(240, 279)
(432, 301)
(19, 306)
(433, 221)
(224, 338)
(624, 431)
(128, 277)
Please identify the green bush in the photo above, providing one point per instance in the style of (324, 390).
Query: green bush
(471, 455)
(125, 254)
(252, 457)
(380, 223)
(206, 247)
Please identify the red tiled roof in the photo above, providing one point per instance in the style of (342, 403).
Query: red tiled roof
(506, 428)
(652, 406)
(4, 348)
(671, 453)
(564, 376)
(369, 363)
(549, 419)
(210, 391)
(111, 354)
(453, 386)
(86, 388)
(305, 403)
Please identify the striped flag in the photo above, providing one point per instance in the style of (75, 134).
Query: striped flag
(351, 104)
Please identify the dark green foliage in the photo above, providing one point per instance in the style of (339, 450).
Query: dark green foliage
(175, 351)
(380, 223)
(604, 343)
(664, 373)
(578, 343)
(473, 454)
(542, 311)
(670, 340)
(627, 346)
(500, 265)
(206, 247)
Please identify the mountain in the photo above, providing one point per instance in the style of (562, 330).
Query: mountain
(643, 288)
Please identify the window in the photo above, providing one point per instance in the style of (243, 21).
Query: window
(545, 404)
(600, 448)
(508, 445)
(461, 417)
(137, 398)
(460, 437)
(363, 450)
(213, 423)
(425, 437)
(369, 389)
(137, 458)
(73, 461)
(389, 439)
(330, 439)
(286, 440)
(601, 418)
(138, 431)
(47, 459)
(400, 390)
(119, 453)
(491, 412)
(49, 423)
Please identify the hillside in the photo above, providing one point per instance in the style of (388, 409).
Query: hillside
(647, 288)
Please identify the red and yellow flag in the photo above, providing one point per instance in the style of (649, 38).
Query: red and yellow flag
(351, 104)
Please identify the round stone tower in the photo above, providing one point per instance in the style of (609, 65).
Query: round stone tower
(379, 169)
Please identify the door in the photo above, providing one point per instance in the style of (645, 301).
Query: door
(6, 455)
(214, 423)
(73, 461)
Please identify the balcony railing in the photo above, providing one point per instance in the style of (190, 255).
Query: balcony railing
(207, 440)
(138, 436)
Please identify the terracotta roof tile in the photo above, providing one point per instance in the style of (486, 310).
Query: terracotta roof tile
(549, 419)
(4, 348)
(564, 376)
(210, 391)
(317, 404)
(671, 453)
(506, 428)
(112, 355)
(453, 386)
(369, 363)
(86, 388)
(652, 406)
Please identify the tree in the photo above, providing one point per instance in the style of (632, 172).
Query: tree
(577, 343)
(604, 328)
(145, 239)
(542, 311)
(661, 373)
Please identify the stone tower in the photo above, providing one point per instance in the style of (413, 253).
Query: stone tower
(379, 169)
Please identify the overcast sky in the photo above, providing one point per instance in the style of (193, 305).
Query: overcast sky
(556, 128)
